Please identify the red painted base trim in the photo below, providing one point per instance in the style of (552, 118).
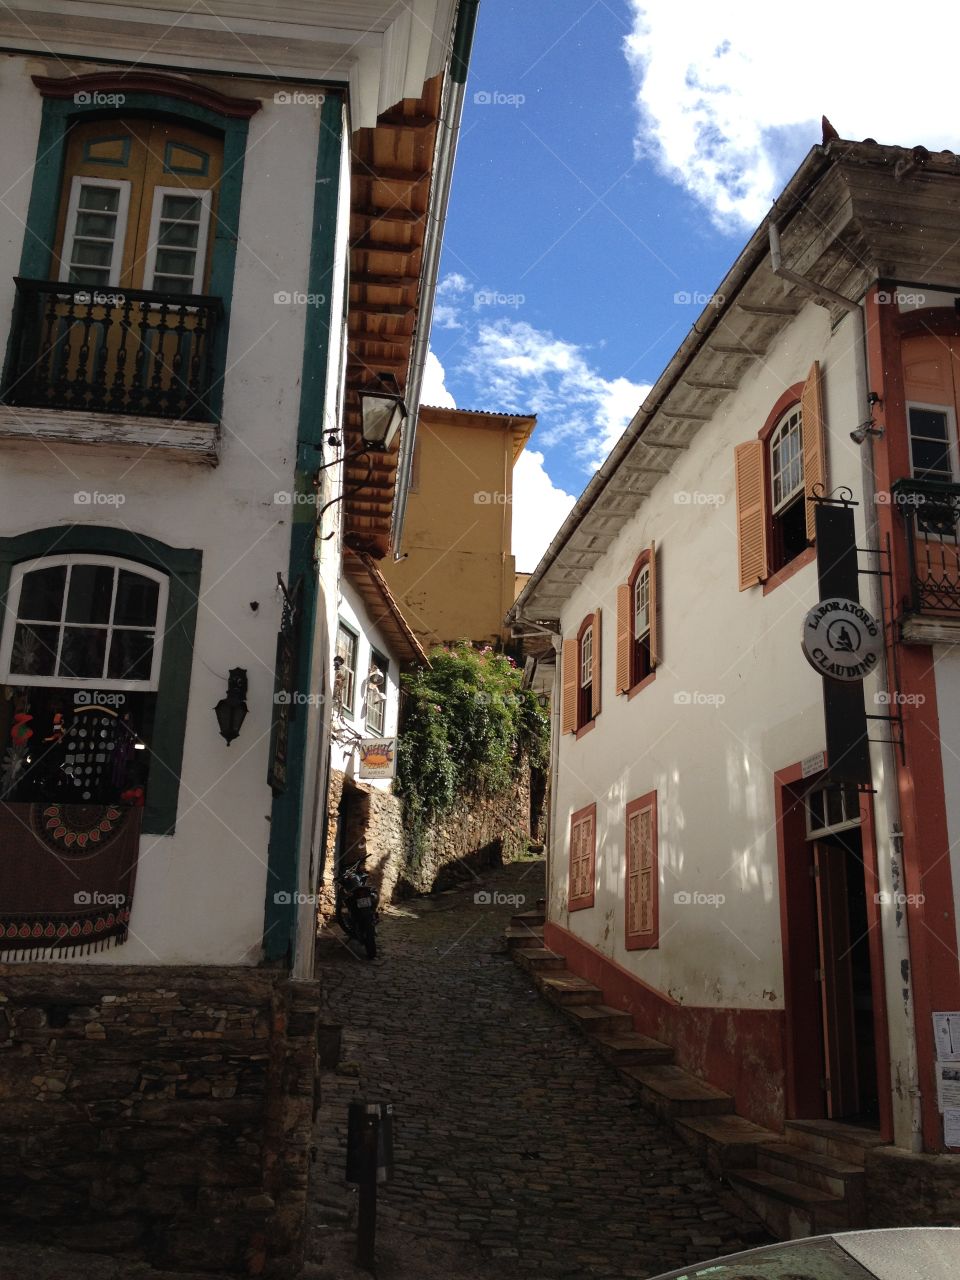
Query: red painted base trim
(739, 1050)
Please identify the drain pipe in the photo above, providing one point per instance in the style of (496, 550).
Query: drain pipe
(896, 940)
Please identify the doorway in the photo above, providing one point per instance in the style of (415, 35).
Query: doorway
(836, 1046)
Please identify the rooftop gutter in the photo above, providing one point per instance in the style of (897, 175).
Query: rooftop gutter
(782, 211)
(451, 118)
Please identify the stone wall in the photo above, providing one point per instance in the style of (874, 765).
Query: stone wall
(476, 833)
(907, 1189)
(158, 1113)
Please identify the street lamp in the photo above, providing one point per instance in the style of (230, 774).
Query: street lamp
(383, 412)
(231, 711)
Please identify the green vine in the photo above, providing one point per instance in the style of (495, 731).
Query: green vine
(468, 727)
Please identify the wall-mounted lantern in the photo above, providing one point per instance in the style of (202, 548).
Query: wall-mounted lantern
(231, 711)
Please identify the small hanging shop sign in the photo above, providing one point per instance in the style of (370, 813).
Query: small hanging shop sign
(378, 757)
(841, 640)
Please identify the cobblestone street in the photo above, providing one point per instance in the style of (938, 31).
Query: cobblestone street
(518, 1152)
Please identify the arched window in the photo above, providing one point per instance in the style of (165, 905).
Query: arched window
(80, 660)
(77, 621)
(638, 624)
(581, 676)
(788, 509)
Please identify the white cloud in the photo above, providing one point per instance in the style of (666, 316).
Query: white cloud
(730, 98)
(527, 370)
(434, 390)
(539, 509)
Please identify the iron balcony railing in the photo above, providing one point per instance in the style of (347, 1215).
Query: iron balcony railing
(129, 351)
(931, 514)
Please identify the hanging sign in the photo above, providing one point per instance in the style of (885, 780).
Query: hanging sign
(841, 639)
(378, 757)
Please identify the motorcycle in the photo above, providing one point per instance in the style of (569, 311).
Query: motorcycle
(356, 907)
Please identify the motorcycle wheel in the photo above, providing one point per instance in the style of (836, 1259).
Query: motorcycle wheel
(370, 940)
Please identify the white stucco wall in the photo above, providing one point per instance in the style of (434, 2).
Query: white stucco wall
(710, 762)
(355, 614)
(199, 895)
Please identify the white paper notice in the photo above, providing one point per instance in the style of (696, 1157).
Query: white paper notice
(946, 1032)
(951, 1127)
(948, 1085)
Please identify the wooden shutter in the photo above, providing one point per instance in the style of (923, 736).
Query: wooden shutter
(654, 610)
(596, 662)
(814, 447)
(569, 674)
(642, 871)
(624, 610)
(751, 513)
(582, 857)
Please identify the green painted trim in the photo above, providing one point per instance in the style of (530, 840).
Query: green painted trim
(463, 40)
(280, 918)
(183, 570)
(36, 259)
(349, 712)
(123, 139)
(204, 156)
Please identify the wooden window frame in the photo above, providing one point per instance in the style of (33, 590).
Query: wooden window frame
(646, 560)
(78, 182)
(635, 941)
(952, 446)
(788, 402)
(577, 820)
(583, 721)
(758, 527)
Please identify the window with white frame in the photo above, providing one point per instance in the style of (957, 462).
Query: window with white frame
(95, 230)
(347, 646)
(376, 696)
(640, 657)
(176, 253)
(830, 809)
(77, 621)
(80, 660)
(788, 507)
(932, 435)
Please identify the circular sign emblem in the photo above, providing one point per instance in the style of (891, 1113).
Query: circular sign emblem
(841, 639)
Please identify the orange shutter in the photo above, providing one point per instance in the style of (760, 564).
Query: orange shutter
(582, 858)
(596, 662)
(654, 610)
(814, 447)
(569, 674)
(642, 916)
(624, 605)
(751, 513)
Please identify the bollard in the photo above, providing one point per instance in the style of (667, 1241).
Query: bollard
(369, 1161)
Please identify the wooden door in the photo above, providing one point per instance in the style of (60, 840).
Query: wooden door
(836, 983)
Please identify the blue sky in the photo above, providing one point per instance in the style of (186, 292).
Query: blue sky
(615, 157)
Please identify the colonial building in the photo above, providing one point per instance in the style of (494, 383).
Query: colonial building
(455, 577)
(791, 937)
(223, 229)
(374, 644)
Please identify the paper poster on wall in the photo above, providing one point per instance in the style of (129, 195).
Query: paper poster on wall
(946, 1035)
(378, 757)
(951, 1127)
(948, 1085)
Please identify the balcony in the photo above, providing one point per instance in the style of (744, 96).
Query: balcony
(931, 516)
(123, 366)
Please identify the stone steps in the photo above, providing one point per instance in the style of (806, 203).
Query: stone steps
(822, 1173)
(805, 1182)
(832, 1138)
(791, 1210)
(727, 1141)
(669, 1091)
(594, 1018)
(525, 936)
(527, 920)
(538, 959)
(564, 988)
(629, 1048)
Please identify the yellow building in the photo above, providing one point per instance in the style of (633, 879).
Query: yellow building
(457, 577)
